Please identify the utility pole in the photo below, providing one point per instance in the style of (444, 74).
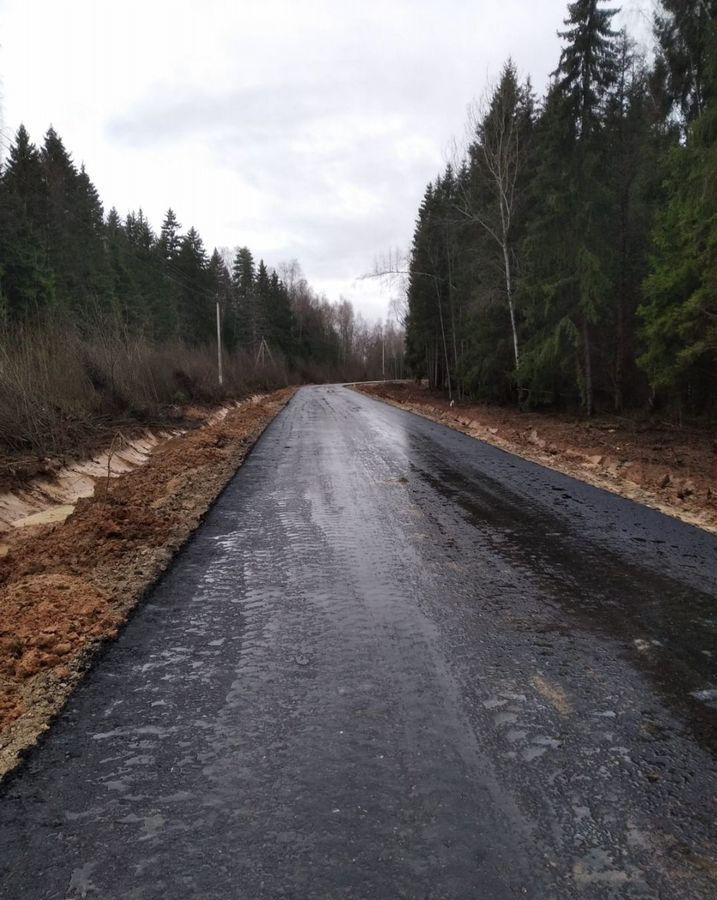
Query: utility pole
(219, 344)
(383, 356)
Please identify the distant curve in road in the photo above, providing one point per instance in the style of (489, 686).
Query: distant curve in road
(395, 662)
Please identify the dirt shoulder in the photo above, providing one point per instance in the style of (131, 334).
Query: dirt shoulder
(92, 439)
(666, 468)
(67, 588)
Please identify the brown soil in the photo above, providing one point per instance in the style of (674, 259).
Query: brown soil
(658, 465)
(66, 588)
(19, 469)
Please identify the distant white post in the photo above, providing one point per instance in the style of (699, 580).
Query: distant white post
(219, 344)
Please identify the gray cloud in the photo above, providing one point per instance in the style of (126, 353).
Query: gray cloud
(304, 128)
(325, 135)
(334, 161)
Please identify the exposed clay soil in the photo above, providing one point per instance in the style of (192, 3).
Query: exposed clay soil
(664, 467)
(66, 588)
(19, 469)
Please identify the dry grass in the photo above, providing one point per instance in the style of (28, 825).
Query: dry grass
(57, 383)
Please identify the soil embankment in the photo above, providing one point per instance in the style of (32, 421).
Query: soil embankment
(660, 466)
(68, 586)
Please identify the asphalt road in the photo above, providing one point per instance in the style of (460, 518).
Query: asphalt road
(393, 663)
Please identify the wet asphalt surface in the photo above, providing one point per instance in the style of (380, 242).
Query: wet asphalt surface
(394, 663)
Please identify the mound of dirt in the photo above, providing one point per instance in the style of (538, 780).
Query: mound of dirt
(667, 468)
(65, 588)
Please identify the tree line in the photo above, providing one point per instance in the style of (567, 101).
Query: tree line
(568, 256)
(62, 258)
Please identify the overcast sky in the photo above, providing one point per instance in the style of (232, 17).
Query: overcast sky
(301, 128)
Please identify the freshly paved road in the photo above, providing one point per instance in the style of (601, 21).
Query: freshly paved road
(394, 663)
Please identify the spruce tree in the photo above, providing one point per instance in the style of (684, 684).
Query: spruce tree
(682, 74)
(123, 286)
(89, 236)
(633, 180)
(429, 336)
(262, 301)
(23, 176)
(166, 297)
(571, 231)
(245, 314)
(222, 288)
(196, 301)
(27, 285)
(169, 237)
(679, 314)
(547, 287)
(63, 243)
(144, 308)
(587, 65)
(279, 315)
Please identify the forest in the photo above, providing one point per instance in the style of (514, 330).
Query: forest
(102, 317)
(566, 258)
(567, 255)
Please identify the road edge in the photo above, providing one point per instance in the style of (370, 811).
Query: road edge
(565, 467)
(24, 735)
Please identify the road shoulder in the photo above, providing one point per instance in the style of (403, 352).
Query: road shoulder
(67, 588)
(659, 468)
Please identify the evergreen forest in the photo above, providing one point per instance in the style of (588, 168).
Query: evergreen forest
(102, 317)
(567, 258)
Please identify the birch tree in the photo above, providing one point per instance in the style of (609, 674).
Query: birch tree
(498, 155)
